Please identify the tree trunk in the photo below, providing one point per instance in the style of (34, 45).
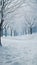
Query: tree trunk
(0, 36)
(11, 32)
(30, 30)
(5, 32)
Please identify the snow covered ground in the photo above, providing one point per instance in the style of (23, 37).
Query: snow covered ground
(19, 50)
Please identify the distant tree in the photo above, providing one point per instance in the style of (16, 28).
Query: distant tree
(30, 22)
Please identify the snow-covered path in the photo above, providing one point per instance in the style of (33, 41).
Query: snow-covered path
(20, 50)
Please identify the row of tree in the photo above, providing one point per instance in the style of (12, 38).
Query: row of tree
(8, 11)
(5, 9)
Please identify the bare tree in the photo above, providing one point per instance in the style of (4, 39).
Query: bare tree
(1, 22)
(30, 22)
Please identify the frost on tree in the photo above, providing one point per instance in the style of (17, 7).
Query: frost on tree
(31, 15)
(7, 7)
